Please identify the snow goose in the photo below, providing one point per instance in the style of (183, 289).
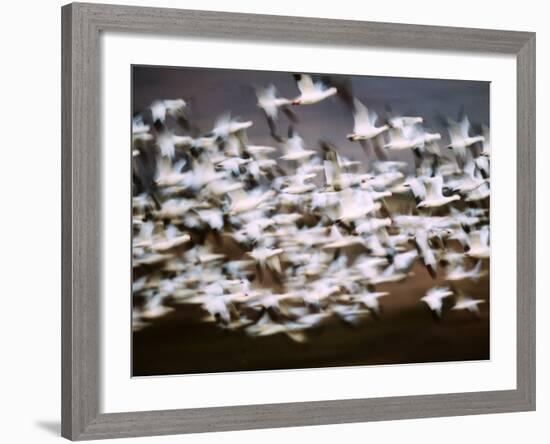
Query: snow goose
(468, 303)
(416, 186)
(299, 184)
(140, 131)
(364, 123)
(368, 267)
(310, 92)
(459, 135)
(401, 122)
(404, 261)
(294, 147)
(405, 138)
(338, 240)
(175, 108)
(168, 174)
(459, 273)
(479, 244)
(434, 299)
(469, 181)
(486, 146)
(269, 103)
(390, 274)
(355, 205)
(154, 308)
(370, 299)
(434, 194)
(241, 201)
(232, 164)
(173, 238)
(350, 314)
(426, 252)
(480, 193)
(225, 125)
(372, 224)
(267, 258)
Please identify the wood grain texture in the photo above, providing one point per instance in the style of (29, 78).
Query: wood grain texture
(259, 27)
(81, 230)
(80, 222)
(526, 220)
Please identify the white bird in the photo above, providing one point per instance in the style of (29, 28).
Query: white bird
(434, 299)
(467, 303)
(321, 289)
(405, 138)
(383, 181)
(372, 224)
(161, 108)
(461, 237)
(168, 174)
(434, 194)
(213, 217)
(167, 143)
(364, 123)
(459, 134)
(486, 150)
(459, 273)
(479, 243)
(232, 164)
(139, 126)
(355, 205)
(390, 274)
(164, 246)
(469, 181)
(480, 193)
(338, 180)
(401, 122)
(260, 152)
(338, 240)
(404, 261)
(242, 201)
(226, 126)
(294, 148)
(154, 308)
(389, 166)
(310, 92)
(426, 252)
(202, 174)
(483, 166)
(216, 306)
(350, 314)
(269, 102)
(299, 184)
(267, 257)
(370, 299)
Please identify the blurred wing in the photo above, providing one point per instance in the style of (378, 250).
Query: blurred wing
(305, 83)
(361, 117)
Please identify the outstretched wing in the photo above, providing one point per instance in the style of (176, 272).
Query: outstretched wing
(361, 119)
(305, 83)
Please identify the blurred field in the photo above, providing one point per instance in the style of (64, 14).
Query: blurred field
(406, 332)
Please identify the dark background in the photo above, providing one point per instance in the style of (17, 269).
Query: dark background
(212, 92)
(406, 332)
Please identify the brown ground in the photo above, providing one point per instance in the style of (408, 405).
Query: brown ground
(406, 333)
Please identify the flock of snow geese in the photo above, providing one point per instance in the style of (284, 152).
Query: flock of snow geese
(285, 238)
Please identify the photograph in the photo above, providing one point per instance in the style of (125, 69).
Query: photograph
(292, 220)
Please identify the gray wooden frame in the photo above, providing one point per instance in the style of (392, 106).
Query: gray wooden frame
(81, 232)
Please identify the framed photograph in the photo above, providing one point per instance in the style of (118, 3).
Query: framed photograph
(277, 221)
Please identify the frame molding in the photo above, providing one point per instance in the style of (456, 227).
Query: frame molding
(82, 24)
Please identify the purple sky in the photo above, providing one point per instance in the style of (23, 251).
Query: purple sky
(211, 92)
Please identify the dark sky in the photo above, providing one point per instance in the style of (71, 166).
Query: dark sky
(211, 92)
